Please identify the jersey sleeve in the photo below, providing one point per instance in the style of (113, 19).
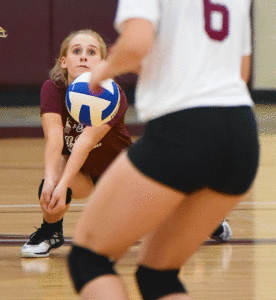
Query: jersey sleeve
(51, 98)
(145, 9)
(246, 41)
(122, 109)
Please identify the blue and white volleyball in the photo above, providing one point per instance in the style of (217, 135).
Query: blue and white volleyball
(90, 108)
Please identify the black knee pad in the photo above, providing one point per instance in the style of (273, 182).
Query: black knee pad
(154, 284)
(68, 194)
(86, 265)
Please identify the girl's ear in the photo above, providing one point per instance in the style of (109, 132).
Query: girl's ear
(63, 62)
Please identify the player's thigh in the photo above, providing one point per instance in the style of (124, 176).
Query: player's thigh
(176, 239)
(82, 185)
(124, 206)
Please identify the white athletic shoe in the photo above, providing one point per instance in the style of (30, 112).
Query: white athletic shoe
(223, 233)
(41, 242)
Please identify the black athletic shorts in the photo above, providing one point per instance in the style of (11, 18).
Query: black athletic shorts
(215, 147)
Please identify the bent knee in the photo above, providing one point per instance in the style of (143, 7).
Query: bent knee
(104, 245)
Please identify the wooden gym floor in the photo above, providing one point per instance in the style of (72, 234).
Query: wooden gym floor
(242, 269)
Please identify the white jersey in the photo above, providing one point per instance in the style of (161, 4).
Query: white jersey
(196, 57)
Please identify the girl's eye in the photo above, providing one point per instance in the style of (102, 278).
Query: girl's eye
(91, 52)
(76, 51)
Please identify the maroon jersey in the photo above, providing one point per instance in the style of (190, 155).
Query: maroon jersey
(117, 138)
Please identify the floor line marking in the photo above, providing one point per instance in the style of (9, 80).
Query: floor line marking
(81, 205)
(32, 205)
(251, 241)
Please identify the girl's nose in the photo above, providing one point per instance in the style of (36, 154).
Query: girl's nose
(83, 58)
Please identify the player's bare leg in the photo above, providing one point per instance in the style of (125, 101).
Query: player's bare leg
(110, 225)
(176, 239)
(141, 205)
(50, 234)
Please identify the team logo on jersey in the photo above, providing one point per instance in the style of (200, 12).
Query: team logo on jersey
(70, 142)
(3, 33)
(67, 127)
(79, 127)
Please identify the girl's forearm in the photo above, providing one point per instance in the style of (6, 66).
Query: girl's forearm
(86, 141)
(76, 160)
(53, 151)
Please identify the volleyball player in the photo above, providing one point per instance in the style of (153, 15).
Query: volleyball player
(75, 155)
(198, 155)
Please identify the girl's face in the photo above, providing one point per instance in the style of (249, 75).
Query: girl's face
(82, 56)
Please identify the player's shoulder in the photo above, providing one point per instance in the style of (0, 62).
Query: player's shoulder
(52, 97)
(50, 85)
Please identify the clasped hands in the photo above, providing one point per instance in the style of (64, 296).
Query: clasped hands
(53, 198)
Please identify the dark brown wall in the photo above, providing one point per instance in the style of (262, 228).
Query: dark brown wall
(36, 29)
(24, 54)
(79, 14)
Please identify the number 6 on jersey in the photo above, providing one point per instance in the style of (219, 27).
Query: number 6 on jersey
(209, 9)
